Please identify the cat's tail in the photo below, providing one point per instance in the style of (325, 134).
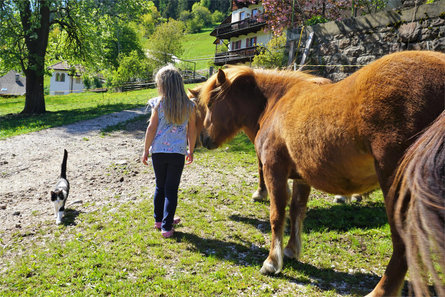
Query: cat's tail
(63, 171)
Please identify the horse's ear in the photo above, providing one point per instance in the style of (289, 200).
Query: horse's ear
(194, 92)
(221, 77)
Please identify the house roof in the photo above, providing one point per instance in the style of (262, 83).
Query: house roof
(64, 66)
(60, 66)
(12, 84)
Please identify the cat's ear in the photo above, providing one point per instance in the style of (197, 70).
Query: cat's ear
(53, 196)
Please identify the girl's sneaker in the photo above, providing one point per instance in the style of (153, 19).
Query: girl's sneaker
(176, 221)
(168, 234)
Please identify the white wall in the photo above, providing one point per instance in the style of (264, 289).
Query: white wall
(262, 39)
(64, 87)
(247, 10)
(77, 84)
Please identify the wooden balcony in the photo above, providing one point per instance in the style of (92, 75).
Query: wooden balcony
(236, 56)
(227, 31)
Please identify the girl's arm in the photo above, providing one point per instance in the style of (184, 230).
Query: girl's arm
(150, 134)
(191, 136)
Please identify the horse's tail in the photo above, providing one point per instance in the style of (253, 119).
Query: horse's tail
(420, 208)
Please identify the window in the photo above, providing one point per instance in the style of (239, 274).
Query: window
(236, 45)
(250, 42)
(255, 12)
(242, 15)
(77, 80)
(60, 77)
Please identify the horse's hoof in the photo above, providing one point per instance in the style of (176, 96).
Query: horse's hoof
(259, 196)
(288, 252)
(356, 198)
(339, 199)
(268, 268)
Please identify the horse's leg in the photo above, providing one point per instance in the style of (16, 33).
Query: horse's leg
(276, 181)
(392, 280)
(300, 195)
(261, 193)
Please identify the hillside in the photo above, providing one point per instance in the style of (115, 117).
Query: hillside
(199, 47)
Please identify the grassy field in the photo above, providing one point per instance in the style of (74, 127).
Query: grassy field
(67, 109)
(217, 251)
(199, 46)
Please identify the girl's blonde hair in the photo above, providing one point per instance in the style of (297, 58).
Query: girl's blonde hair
(177, 106)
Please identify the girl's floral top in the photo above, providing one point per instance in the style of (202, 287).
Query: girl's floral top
(170, 138)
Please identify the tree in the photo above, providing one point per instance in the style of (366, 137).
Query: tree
(120, 40)
(221, 5)
(25, 26)
(217, 17)
(166, 42)
(132, 67)
(202, 13)
(169, 9)
(25, 30)
(148, 21)
(281, 14)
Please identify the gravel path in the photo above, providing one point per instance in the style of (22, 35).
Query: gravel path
(30, 166)
(102, 170)
(99, 168)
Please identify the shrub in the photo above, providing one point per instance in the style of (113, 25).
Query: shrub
(273, 55)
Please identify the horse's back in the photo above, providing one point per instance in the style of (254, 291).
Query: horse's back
(401, 94)
(336, 133)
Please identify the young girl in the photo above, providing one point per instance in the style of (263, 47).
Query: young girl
(171, 127)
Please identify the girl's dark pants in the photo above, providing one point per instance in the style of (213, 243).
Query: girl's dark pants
(168, 170)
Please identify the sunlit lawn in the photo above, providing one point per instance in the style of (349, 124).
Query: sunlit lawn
(67, 109)
(218, 250)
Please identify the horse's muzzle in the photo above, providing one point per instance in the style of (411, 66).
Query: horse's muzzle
(207, 142)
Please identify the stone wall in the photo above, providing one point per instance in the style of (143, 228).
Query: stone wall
(340, 48)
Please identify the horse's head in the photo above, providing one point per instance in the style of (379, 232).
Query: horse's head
(200, 115)
(223, 97)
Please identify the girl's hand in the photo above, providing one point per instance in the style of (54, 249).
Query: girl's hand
(189, 158)
(144, 158)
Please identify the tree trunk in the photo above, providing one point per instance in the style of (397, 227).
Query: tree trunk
(36, 40)
(35, 99)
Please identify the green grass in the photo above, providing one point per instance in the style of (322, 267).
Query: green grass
(199, 45)
(217, 250)
(67, 109)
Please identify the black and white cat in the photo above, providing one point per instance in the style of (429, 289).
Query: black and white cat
(61, 191)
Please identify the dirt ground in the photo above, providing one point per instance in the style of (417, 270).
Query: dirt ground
(99, 168)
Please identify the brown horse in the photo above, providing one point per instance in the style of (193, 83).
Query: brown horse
(261, 193)
(251, 128)
(251, 131)
(342, 138)
(420, 209)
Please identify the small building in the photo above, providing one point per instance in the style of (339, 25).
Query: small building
(12, 84)
(239, 36)
(65, 79)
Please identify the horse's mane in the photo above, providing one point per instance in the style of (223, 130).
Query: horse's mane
(276, 80)
(211, 85)
(291, 76)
